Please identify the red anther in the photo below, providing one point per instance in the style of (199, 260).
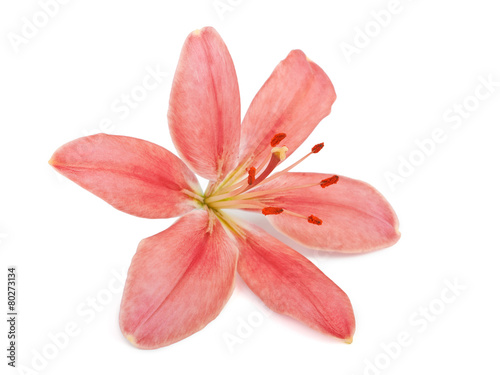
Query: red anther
(277, 139)
(314, 220)
(272, 210)
(317, 148)
(329, 181)
(251, 175)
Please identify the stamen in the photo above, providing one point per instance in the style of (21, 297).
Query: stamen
(311, 219)
(272, 210)
(230, 223)
(237, 203)
(261, 193)
(329, 181)
(277, 139)
(239, 184)
(251, 175)
(314, 220)
(278, 154)
(317, 148)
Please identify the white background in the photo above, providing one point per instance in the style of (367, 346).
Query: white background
(68, 245)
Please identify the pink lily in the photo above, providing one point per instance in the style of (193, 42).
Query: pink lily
(181, 278)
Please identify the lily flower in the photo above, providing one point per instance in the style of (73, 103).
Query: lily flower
(181, 278)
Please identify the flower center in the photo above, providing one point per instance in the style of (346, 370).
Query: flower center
(238, 189)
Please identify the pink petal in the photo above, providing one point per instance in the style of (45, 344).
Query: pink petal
(133, 175)
(290, 284)
(179, 281)
(294, 99)
(204, 113)
(356, 217)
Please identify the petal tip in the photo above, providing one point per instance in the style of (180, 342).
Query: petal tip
(397, 233)
(54, 163)
(203, 30)
(348, 340)
(297, 51)
(132, 340)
